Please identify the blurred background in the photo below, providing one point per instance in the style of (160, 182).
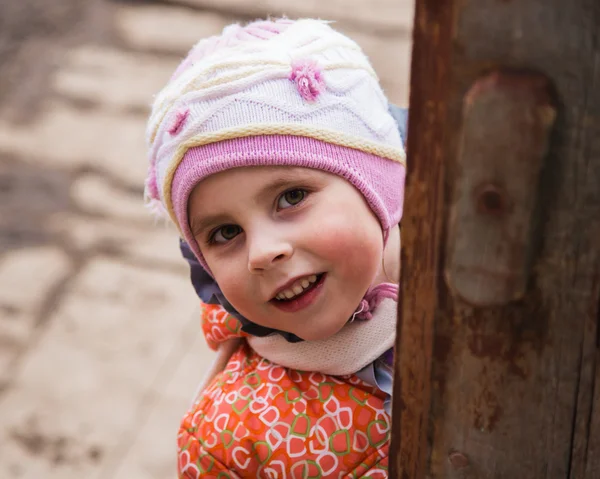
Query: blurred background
(100, 341)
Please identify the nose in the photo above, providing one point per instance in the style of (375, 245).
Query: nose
(267, 250)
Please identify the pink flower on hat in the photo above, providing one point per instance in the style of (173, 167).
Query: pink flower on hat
(306, 73)
(151, 184)
(179, 121)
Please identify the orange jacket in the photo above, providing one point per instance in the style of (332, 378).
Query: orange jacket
(257, 419)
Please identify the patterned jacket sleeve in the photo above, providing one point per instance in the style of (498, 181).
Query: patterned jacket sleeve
(218, 325)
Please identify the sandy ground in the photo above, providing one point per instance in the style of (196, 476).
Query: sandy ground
(100, 346)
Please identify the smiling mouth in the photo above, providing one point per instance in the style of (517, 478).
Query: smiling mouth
(299, 289)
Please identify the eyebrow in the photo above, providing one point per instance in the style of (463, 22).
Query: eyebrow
(202, 223)
(282, 180)
(293, 176)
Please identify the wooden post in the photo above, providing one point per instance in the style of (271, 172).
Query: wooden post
(498, 349)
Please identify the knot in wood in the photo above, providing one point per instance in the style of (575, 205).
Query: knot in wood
(491, 200)
(458, 460)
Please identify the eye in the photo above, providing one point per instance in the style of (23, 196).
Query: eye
(225, 233)
(291, 198)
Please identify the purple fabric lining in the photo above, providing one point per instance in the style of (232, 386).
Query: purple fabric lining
(388, 357)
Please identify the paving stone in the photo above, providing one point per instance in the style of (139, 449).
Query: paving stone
(111, 351)
(390, 54)
(376, 14)
(161, 245)
(67, 137)
(97, 194)
(149, 27)
(27, 279)
(112, 78)
(160, 430)
(153, 245)
(101, 393)
(107, 130)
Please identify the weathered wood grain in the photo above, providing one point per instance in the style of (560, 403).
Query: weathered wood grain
(510, 390)
(421, 237)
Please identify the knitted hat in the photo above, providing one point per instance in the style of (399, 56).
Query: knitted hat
(280, 92)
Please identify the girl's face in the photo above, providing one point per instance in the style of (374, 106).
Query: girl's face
(293, 249)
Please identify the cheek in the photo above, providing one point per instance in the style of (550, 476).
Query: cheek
(229, 278)
(353, 244)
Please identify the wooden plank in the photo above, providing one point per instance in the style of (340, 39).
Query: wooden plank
(592, 456)
(586, 440)
(508, 391)
(421, 237)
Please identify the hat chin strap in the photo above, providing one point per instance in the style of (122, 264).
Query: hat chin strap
(372, 298)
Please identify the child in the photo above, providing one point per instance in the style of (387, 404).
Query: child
(273, 151)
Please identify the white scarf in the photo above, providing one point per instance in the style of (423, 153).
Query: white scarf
(356, 345)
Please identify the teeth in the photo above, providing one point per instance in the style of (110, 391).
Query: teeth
(296, 288)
